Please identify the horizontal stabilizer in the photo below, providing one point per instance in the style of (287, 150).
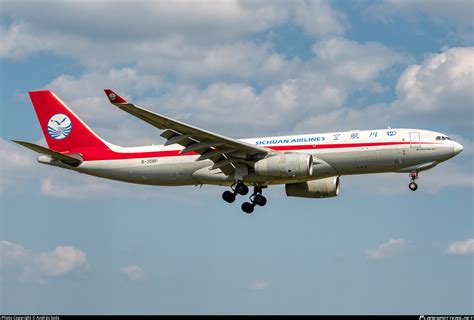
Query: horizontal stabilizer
(70, 159)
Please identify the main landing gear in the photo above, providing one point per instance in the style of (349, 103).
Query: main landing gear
(239, 188)
(256, 199)
(413, 186)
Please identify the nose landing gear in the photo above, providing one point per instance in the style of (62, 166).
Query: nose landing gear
(413, 186)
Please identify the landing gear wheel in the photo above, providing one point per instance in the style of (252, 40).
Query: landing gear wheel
(260, 200)
(241, 188)
(413, 186)
(247, 207)
(228, 196)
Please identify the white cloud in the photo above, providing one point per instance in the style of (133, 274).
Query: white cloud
(40, 266)
(294, 90)
(171, 47)
(17, 41)
(12, 156)
(14, 165)
(436, 93)
(455, 13)
(155, 31)
(441, 86)
(198, 106)
(60, 261)
(133, 272)
(192, 21)
(238, 61)
(462, 248)
(387, 250)
(12, 254)
(70, 185)
(350, 60)
(318, 18)
(285, 102)
(259, 285)
(87, 188)
(188, 39)
(451, 174)
(200, 20)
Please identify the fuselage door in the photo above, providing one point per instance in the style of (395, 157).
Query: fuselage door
(414, 139)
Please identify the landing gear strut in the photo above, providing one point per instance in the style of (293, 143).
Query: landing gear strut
(257, 198)
(413, 186)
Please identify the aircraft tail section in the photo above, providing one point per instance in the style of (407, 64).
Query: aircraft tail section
(63, 130)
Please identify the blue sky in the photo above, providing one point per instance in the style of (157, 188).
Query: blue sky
(70, 243)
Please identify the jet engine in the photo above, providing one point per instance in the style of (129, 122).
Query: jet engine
(321, 188)
(285, 165)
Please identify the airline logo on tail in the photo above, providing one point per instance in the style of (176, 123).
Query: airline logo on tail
(59, 126)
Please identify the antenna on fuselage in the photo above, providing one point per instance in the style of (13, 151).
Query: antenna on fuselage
(389, 127)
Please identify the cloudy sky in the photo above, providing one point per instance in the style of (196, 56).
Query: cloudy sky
(76, 244)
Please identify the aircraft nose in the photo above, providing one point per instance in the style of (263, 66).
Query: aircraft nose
(457, 148)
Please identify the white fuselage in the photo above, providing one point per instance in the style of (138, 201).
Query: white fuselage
(335, 154)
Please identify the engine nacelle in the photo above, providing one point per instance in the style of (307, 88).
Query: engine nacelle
(285, 165)
(321, 188)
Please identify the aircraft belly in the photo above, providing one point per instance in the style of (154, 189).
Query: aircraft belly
(151, 174)
(391, 158)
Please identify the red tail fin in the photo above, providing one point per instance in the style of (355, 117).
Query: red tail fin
(63, 130)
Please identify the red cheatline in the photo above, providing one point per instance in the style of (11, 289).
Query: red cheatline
(107, 154)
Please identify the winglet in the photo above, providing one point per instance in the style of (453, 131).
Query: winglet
(113, 97)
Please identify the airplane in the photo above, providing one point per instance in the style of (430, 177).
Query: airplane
(310, 165)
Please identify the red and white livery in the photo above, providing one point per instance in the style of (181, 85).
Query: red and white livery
(309, 165)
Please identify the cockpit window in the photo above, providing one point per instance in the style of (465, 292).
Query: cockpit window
(448, 138)
(438, 138)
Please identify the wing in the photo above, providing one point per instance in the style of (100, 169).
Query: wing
(226, 153)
